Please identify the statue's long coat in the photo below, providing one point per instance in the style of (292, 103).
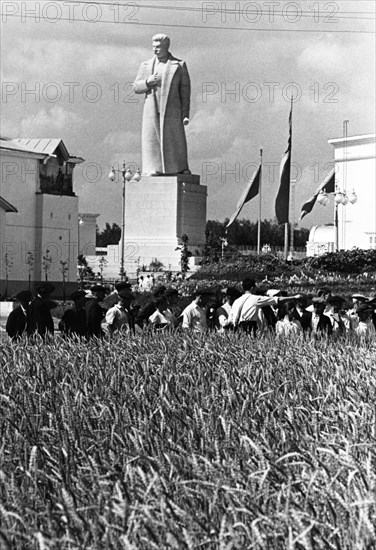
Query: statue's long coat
(164, 145)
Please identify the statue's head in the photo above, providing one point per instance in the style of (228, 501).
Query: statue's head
(161, 44)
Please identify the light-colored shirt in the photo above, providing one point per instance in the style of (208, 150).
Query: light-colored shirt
(221, 316)
(287, 327)
(366, 328)
(117, 318)
(246, 308)
(158, 318)
(194, 317)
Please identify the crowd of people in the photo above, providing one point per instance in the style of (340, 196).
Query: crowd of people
(254, 311)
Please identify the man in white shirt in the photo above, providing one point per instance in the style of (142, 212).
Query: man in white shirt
(290, 324)
(365, 328)
(222, 313)
(245, 310)
(194, 315)
(118, 316)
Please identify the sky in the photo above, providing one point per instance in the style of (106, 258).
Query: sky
(67, 69)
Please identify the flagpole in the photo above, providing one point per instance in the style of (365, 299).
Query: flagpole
(286, 247)
(259, 215)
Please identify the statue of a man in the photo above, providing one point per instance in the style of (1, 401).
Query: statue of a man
(165, 82)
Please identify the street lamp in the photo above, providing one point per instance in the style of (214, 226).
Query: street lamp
(128, 174)
(340, 197)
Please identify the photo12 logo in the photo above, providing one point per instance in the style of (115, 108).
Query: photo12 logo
(70, 10)
(270, 12)
(53, 92)
(252, 92)
(237, 172)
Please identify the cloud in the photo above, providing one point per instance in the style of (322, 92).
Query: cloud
(324, 57)
(49, 122)
(123, 145)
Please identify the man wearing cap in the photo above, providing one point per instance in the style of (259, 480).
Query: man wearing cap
(365, 328)
(320, 323)
(118, 317)
(194, 315)
(246, 310)
(40, 318)
(94, 312)
(17, 319)
(73, 322)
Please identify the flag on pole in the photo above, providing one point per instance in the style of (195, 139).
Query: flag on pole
(250, 192)
(328, 184)
(282, 202)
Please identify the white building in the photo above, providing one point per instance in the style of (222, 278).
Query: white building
(355, 171)
(42, 237)
(87, 227)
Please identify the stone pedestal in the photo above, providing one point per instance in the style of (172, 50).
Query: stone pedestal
(159, 210)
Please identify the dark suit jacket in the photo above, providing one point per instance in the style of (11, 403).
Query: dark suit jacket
(324, 326)
(143, 315)
(73, 322)
(94, 316)
(305, 319)
(16, 323)
(39, 317)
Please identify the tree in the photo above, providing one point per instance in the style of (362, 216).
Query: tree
(102, 263)
(8, 264)
(64, 266)
(84, 270)
(244, 232)
(156, 265)
(30, 260)
(109, 235)
(46, 264)
(185, 254)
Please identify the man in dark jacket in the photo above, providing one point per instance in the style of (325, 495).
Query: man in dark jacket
(150, 307)
(17, 319)
(94, 312)
(73, 322)
(320, 323)
(40, 318)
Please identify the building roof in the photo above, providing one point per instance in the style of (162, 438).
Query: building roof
(5, 205)
(353, 140)
(322, 234)
(11, 145)
(45, 146)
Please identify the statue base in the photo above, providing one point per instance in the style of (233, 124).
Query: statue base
(159, 210)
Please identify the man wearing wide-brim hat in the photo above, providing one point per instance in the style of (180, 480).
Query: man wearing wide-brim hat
(356, 299)
(17, 319)
(73, 322)
(341, 322)
(40, 319)
(320, 323)
(94, 312)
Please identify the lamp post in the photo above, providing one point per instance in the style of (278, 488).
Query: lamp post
(340, 197)
(80, 224)
(127, 175)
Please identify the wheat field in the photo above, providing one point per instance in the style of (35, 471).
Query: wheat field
(168, 441)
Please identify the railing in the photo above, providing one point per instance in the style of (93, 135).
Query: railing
(56, 185)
